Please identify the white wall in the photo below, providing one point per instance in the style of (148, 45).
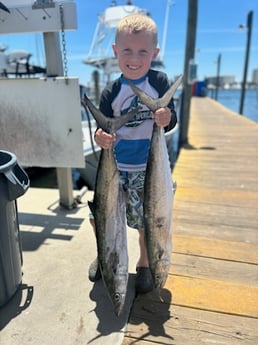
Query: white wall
(40, 121)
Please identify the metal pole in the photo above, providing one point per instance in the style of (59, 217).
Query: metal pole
(189, 55)
(248, 41)
(165, 29)
(218, 76)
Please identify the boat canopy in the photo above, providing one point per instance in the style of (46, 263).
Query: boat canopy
(112, 15)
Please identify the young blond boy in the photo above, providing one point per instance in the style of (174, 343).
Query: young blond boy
(135, 48)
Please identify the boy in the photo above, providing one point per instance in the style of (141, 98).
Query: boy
(135, 48)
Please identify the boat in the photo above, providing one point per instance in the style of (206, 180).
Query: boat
(17, 64)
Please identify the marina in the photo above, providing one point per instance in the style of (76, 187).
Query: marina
(230, 98)
(211, 293)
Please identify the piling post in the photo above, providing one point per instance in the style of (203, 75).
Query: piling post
(247, 53)
(189, 55)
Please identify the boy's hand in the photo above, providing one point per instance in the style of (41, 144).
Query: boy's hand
(162, 116)
(104, 139)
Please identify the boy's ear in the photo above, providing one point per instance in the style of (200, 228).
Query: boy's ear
(114, 49)
(155, 53)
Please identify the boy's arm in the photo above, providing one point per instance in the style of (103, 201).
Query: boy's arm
(159, 81)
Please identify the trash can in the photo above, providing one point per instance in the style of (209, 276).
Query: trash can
(13, 183)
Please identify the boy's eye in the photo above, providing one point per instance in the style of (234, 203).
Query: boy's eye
(140, 53)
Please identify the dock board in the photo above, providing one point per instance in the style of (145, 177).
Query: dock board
(211, 294)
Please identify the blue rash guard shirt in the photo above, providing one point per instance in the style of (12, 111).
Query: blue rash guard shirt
(133, 140)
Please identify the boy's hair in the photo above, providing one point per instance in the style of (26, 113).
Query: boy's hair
(136, 23)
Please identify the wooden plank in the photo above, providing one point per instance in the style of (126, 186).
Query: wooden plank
(214, 295)
(234, 197)
(180, 325)
(216, 248)
(204, 228)
(210, 268)
(211, 297)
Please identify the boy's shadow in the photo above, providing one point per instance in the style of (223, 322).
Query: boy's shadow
(108, 322)
(153, 310)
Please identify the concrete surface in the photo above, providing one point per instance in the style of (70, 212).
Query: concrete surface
(56, 303)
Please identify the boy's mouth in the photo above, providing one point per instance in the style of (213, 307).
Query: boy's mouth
(133, 68)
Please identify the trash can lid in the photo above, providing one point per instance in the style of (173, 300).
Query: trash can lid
(7, 160)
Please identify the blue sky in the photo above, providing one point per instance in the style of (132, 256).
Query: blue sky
(217, 33)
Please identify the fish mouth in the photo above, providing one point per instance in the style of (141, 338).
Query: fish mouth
(160, 272)
(159, 281)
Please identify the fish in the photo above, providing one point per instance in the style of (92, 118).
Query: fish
(3, 7)
(159, 192)
(109, 211)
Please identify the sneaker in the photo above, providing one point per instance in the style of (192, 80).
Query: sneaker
(94, 271)
(143, 281)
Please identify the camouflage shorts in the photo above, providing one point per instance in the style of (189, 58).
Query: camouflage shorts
(133, 185)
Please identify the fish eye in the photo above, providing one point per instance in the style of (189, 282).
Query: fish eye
(117, 296)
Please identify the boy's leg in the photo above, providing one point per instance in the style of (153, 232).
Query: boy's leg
(143, 260)
(143, 280)
(134, 211)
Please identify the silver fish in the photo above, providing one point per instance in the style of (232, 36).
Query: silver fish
(108, 208)
(158, 194)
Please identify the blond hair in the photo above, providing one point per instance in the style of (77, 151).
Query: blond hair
(135, 23)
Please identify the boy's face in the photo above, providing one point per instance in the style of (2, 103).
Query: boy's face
(134, 52)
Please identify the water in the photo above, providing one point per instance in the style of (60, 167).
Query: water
(231, 100)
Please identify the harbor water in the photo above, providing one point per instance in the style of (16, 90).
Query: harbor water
(230, 98)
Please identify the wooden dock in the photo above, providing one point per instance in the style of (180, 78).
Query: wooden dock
(211, 295)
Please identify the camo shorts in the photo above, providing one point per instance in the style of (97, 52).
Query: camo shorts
(133, 185)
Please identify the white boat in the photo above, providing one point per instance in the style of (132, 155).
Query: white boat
(17, 64)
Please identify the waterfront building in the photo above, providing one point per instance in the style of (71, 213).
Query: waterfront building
(221, 81)
(255, 76)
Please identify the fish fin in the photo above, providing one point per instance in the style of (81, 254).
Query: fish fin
(120, 121)
(154, 104)
(97, 114)
(150, 102)
(109, 124)
(4, 8)
(165, 99)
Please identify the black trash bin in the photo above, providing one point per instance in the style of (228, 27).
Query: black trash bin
(13, 183)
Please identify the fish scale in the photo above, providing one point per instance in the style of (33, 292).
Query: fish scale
(109, 211)
(158, 193)
(157, 208)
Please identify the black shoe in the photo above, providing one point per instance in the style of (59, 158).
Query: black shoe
(143, 281)
(94, 271)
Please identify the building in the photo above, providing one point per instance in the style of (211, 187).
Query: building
(255, 76)
(221, 81)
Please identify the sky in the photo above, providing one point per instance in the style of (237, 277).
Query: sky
(217, 33)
